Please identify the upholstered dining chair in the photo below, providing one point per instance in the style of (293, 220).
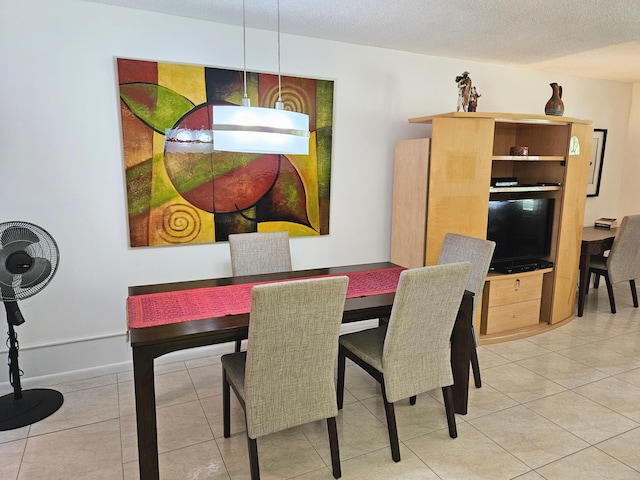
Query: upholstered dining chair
(623, 262)
(286, 376)
(410, 355)
(259, 252)
(460, 248)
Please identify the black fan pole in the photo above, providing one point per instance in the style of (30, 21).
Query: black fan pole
(14, 369)
(30, 406)
(14, 317)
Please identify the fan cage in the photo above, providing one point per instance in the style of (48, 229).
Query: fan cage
(42, 245)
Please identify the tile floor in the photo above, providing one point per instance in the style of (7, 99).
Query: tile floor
(559, 406)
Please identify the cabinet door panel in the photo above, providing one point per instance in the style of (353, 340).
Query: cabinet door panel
(571, 222)
(409, 210)
(459, 179)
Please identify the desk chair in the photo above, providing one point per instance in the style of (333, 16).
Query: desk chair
(259, 252)
(410, 355)
(460, 248)
(623, 262)
(285, 378)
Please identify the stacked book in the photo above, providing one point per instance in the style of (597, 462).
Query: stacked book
(607, 223)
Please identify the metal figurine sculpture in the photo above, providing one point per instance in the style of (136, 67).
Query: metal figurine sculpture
(464, 91)
(473, 99)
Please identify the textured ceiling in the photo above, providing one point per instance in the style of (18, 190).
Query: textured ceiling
(592, 38)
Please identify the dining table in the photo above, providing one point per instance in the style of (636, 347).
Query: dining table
(595, 241)
(168, 317)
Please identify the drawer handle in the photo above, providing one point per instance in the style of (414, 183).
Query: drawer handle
(515, 316)
(517, 283)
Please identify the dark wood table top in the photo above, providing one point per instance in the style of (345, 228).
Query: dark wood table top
(593, 234)
(355, 308)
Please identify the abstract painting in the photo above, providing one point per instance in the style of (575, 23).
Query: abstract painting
(177, 197)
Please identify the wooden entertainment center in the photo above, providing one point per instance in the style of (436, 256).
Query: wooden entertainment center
(443, 184)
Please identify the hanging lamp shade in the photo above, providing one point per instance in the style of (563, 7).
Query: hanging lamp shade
(259, 130)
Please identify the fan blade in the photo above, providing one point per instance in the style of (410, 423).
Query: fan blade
(5, 278)
(38, 272)
(18, 234)
(15, 246)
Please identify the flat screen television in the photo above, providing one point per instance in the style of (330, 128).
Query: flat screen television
(521, 229)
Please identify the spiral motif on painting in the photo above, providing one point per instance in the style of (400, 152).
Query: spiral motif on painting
(180, 223)
(294, 98)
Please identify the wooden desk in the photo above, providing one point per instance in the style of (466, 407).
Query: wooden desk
(595, 241)
(149, 343)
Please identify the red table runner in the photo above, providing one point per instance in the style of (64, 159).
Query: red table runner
(184, 305)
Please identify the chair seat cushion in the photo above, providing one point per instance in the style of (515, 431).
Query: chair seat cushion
(234, 364)
(367, 344)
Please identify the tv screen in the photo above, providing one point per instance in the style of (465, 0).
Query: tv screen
(521, 229)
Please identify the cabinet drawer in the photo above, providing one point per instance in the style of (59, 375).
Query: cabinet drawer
(512, 316)
(514, 289)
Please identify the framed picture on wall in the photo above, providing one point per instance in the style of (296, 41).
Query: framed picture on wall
(181, 190)
(596, 162)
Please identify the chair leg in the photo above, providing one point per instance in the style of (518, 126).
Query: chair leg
(340, 383)
(335, 448)
(252, 444)
(391, 425)
(596, 280)
(238, 345)
(634, 292)
(475, 367)
(612, 301)
(447, 393)
(226, 404)
(412, 400)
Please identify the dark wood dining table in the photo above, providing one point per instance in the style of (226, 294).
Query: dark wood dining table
(157, 339)
(595, 241)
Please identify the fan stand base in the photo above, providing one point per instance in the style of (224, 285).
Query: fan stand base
(35, 405)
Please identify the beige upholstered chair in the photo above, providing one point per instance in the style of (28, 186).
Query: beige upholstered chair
(286, 376)
(460, 248)
(623, 262)
(259, 252)
(411, 354)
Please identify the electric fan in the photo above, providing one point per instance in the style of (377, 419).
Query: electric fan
(28, 261)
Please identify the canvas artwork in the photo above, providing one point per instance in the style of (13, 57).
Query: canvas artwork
(177, 197)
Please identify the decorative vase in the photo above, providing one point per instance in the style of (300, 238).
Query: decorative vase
(555, 105)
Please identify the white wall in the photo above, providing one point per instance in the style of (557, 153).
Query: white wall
(62, 166)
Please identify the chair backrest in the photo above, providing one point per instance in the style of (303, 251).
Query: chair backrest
(416, 355)
(623, 262)
(259, 252)
(293, 343)
(460, 248)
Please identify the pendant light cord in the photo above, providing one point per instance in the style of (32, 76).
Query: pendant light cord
(245, 98)
(279, 77)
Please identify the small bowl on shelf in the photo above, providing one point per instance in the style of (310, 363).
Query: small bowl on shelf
(519, 151)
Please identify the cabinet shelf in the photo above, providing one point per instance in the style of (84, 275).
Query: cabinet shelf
(524, 188)
(530, 158)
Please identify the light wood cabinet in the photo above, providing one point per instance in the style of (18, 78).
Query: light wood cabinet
(443, 184)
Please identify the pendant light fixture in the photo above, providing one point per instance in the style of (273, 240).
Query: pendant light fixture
(243, 128)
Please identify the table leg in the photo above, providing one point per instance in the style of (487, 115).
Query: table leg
(585, 261)
(144, 384)
(461, 341)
